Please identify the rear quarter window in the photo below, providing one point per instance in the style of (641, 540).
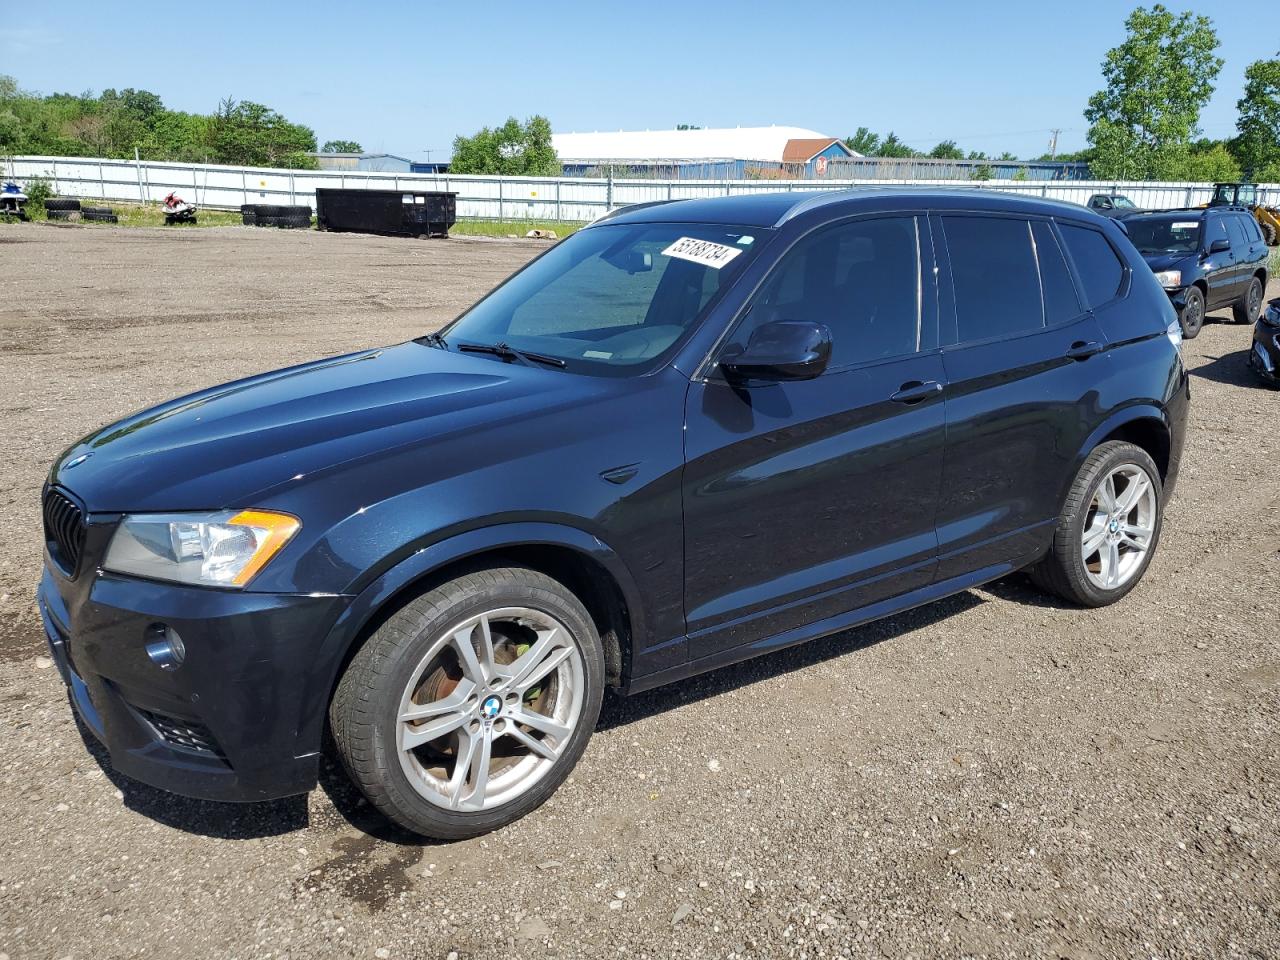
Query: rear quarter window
(1098, 266)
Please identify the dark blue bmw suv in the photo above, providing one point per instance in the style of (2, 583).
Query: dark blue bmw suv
(689, 434)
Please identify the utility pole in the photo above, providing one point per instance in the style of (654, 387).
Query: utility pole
(1053, 144)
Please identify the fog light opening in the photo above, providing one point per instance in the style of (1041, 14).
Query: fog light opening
(165, 647)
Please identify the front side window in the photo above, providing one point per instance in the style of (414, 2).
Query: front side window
(611, 299)
(995, 277)
(860, 279)
(1099, 267)
(1214, 230)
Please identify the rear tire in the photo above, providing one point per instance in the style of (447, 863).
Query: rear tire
(1068, 570)
(452, 649)
(1192, 316)
(1268, 234)
(1249, 307)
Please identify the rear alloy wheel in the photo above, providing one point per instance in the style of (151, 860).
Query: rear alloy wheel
(1248, 308)
(1108, 529)
(469, 706)
(1192, 316)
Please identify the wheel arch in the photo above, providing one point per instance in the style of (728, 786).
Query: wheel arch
(590, 569)
(1145, 426)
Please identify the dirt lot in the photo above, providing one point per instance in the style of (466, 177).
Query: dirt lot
(993, 775)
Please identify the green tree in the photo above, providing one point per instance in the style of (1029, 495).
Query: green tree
(891, 146)
(947, 150)
(863, 141)
(341, 146)
(513, 149)
(254, 135)
(1157, 82)
(1258, 144)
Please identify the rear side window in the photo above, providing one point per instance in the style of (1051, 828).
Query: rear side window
(1236, 228)
(1060, 301)
(993, 271)
(1251, 229)
(1100, 269)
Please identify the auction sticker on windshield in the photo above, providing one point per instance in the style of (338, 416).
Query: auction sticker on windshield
(705, 252)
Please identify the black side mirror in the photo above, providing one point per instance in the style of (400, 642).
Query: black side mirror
(1219, 246)
(788, 350)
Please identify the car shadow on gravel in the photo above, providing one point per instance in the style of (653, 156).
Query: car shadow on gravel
(618, 711)
(1231, 369)
(207, 818)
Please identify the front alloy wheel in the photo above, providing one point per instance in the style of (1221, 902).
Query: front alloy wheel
(471, 704)
(490, 708)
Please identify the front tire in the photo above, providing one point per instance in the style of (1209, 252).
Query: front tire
(1192, 316)
(470, 705)
(1248, 307)
(1108, 530)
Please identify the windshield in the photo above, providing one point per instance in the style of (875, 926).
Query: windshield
(1124, 203)
(611, 298)
(1164, 235)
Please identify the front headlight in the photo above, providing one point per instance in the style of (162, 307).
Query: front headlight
(217, 550)
(1169, 279)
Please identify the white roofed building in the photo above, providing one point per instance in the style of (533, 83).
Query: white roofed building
(708, 147)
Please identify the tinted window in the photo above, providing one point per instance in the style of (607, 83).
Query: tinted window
(1060, 301)
(861, 279)
(993, 270)
(1214, 229)
(1236, 229)
(1099, 268)
(1251, 229)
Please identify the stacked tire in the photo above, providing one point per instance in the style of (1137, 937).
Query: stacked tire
(61, 208)
(99, 214)
(287, 217)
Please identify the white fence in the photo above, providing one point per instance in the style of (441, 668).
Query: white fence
(506, 198)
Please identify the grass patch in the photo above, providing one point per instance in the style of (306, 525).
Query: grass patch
(152, 215)
(511, 228)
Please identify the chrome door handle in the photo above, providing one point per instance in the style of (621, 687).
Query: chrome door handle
(915, 391)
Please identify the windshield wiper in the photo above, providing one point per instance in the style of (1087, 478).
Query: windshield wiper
(432, 340)
(506, 352)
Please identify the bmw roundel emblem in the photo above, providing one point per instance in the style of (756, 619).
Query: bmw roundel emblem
(1115, 525)
(491, 707)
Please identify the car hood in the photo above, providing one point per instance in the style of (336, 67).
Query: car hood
(1169, 261)
(223, 447)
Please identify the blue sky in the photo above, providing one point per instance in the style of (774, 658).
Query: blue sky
(407, 77)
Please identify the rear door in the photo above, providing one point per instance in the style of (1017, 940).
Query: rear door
(1020, 352)
(806, 500)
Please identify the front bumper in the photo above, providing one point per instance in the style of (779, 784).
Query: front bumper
(1264, 352)
(233, 722)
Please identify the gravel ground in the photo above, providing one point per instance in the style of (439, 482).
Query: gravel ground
(992, 775)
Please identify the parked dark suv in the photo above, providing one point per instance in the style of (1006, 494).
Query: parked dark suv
(689, 434)
(1205, 259)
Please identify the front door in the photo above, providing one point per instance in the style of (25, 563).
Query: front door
(805, 500)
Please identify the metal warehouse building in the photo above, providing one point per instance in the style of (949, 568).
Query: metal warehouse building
(732, 152)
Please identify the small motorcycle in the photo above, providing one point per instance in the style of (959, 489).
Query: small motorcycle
(13, 201)
(177, 210)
